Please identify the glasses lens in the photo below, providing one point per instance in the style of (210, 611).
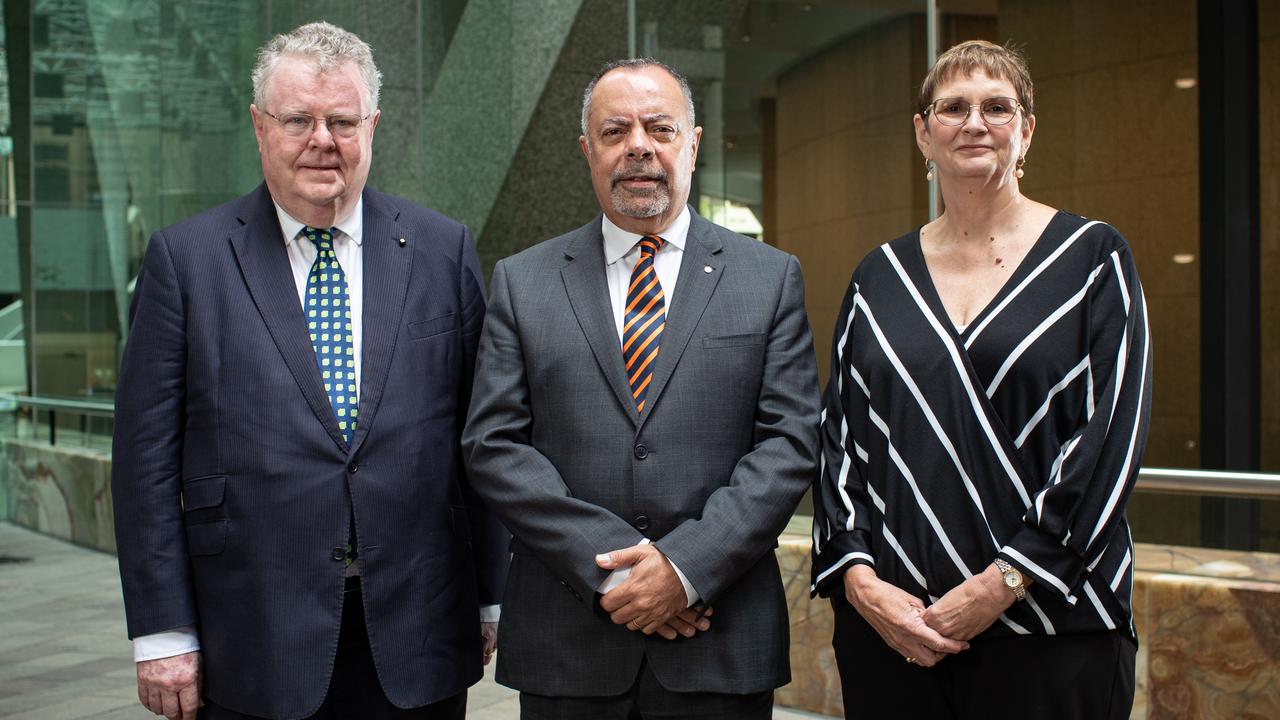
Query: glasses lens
(951, 111)
(296, 125)
(999, 110)
(344, 126)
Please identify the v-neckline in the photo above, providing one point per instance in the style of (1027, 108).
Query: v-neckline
(934, 298)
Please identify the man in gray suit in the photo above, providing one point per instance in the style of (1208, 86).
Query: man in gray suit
(644, 421)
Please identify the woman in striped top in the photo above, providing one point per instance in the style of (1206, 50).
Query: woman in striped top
(983, 425)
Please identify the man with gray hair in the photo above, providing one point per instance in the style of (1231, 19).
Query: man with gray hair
(297, 536)
(644, 420)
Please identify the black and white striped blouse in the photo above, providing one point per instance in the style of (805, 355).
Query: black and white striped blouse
(1019, 437)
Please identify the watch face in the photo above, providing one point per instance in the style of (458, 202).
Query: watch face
(1013, 578)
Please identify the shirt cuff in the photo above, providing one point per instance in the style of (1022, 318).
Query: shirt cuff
(177, 641)
(490, 613)
(689, 593)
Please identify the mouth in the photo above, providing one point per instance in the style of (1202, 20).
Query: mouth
(639, 177)
(974, 147)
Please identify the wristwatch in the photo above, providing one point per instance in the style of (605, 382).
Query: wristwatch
(1012, 579)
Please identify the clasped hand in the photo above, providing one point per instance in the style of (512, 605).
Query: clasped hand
(926, 635)
(651, 599)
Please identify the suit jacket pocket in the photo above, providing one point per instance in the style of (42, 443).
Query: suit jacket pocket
(203, 492)
(423, 329)
(207, 538)
(738, 340)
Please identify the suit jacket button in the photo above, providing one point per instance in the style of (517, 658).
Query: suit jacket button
(642, 452)
(353, 468)
(339, 554)
(642, 522)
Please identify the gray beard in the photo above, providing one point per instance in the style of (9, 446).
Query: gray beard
(648, 205)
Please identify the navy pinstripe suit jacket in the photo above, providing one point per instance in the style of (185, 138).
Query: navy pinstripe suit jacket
(232, 483)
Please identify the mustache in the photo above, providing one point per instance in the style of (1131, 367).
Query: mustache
(638, 171)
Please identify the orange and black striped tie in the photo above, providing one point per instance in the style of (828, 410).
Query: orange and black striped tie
(643, 321)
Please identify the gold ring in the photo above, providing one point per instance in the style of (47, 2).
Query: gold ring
(911, 660)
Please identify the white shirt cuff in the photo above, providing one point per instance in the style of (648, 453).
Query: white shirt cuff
(490, 613)
(690, 594)
(177, 641)
(616, 578)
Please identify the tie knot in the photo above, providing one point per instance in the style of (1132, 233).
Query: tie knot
(322, 239)
(650, 244)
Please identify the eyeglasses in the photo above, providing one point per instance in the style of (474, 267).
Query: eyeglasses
(302, 124)
(955, 111)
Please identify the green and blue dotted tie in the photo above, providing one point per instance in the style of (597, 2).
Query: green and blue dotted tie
(329, 322)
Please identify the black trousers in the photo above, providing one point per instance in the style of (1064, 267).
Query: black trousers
(648, 700)
(1046, 677)
(354, 691)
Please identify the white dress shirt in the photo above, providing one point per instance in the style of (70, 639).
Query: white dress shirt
(621, 253)
(347, 244)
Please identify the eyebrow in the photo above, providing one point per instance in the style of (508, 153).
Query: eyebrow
(622, 120)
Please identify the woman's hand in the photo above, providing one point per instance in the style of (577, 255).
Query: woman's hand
(898, 617)
(970, 607)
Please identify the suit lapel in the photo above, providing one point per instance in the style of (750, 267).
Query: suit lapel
(696, 286)
(264, 263)
(387, 268)
(588, 289)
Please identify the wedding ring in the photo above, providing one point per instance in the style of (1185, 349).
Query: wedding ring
(911, 660)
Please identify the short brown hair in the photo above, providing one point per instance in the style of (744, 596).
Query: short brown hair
(1005, 63)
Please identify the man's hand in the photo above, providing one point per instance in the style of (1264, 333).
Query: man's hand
(650, 597)
(898, 617)
(972, 606)
(171, 686)
(489, 637)
(686, 623)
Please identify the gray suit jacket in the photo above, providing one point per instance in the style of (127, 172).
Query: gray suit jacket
(711, 471)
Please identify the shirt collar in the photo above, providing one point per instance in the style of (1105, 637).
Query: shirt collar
(352, 225)
(619, 242)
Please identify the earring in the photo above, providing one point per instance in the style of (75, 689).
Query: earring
(1021, 161)
(928, 170)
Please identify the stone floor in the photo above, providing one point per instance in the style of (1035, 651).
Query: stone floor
(63, 652)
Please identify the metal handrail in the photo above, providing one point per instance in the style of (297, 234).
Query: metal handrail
(80, 407)
(1209, 482)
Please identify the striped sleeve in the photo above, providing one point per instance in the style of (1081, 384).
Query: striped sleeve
(1072, 519)
(841, 510)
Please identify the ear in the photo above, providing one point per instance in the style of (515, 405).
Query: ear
(259, 124)
(582, 143)
(923, 141)
(377, 115)
(694, 144)
(1028, 129)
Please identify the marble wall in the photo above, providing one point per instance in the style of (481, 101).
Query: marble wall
(60, 491)
(1208, 627)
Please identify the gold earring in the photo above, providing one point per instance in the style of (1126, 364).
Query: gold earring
(928, 170)
(1021, 161)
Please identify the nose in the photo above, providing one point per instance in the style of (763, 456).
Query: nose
(974, 122)
(639, 146)
(320, 136)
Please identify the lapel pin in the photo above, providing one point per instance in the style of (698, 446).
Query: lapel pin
(706, 268)
(402, 242)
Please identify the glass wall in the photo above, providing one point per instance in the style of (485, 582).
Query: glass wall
(1269, 176)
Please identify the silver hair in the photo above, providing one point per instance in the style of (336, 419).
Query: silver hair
(635, 64)
(328, 46)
